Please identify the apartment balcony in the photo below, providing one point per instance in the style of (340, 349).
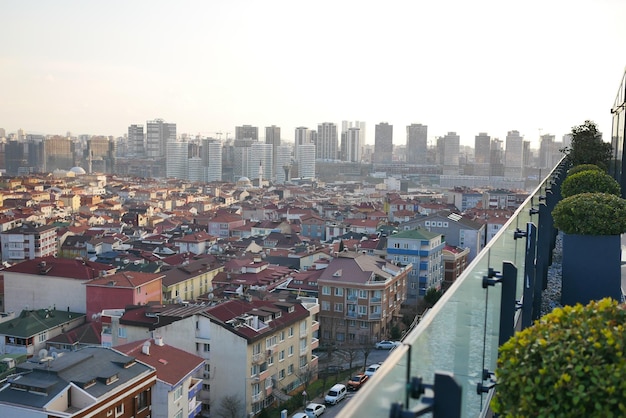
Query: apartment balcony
(195, 409)
(376, 301)
(264, 374)
(315, 343)
(256, 397)
(315, 326)
(375, 315)
(351, 314)
(258, 358)
(195, 386)
(462, 332)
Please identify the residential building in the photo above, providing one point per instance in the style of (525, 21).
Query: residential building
(272, 136)
(118, 290)
(177, 159)
(211, 154)
(191, 280)
(383, 143)
(314, 227)
(177, 389)
(305, 157)
(423, 250)
(352, 145)
(91, 382)
(59, 153)
(416, 144)
(458, 230)
(283, 162)
(360, 297)
(514, 155)
(27, 242)
(221, 225)
(49, 282)
(302, 136)
(158, 134)
(28, 333)
(195, 242)
(327, 145)
(448, 147)
(482, 154)
(136, 141)
(455, 262)
(247, 132)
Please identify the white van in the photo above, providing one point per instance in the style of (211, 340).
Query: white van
(335, 394)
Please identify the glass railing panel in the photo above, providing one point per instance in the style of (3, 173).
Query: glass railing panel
(459, 335)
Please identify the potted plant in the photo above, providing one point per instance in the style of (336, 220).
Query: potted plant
(583, 167)
(589, 181)
(570, 363)
(591, 266)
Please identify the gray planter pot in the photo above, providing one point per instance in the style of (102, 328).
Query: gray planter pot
(591, 268)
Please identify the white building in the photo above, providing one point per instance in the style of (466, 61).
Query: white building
(177, 160)
(27, 242)
(514, 155)
(212, 159)
(306, 161)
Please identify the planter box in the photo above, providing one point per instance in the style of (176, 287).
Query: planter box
(591, 268)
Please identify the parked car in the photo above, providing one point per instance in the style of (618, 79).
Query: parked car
(372, 369)
(387, 345)
(314, 409)
(300, 415)
(336, 394)
(357, 381)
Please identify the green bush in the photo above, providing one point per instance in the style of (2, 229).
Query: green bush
(583, 167)
(589, 181)
(591, 214)
(570, 363)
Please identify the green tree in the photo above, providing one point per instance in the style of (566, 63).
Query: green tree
(432, 296)
(589, 181)
(587, 146)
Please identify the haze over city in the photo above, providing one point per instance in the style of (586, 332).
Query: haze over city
(469, 67)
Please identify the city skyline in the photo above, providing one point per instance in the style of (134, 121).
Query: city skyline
(537, 67)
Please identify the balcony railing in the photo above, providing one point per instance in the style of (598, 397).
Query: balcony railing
(460, 334)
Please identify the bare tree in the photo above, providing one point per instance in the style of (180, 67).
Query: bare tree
(231, 407)
(352, 351)
(306, 374)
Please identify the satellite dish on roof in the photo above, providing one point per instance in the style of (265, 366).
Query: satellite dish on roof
(43, 353)
(211, 296)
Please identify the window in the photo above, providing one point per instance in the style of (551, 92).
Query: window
(281, 355)
(121, 332)
(362, 310)
(339, 291)
(290, 369)
(207, 347)
(362, 294)
(282, 336)
(290, 332)
(270, 360)
(178, 393)
(338, 307)
(281, 374)
(303, 361)
(179, 414)
(42, 337)
(325, 305)
(119, 410)
(325, 290)
(290, 351)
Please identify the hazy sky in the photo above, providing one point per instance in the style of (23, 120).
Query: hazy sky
(95, 67)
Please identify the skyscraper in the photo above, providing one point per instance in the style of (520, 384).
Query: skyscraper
(283, 163)
(514, 155)
(416, 143)
(383, 143)
(247, 132)
(59, 152)
(157, 136)
(482, 154)
(351, 145)
(272, 136)
(260, 154)
(177, 159)
(136, 140)
(302, 136)
(305, 157)
(327, 146)
(449, 145)
(211, 154)
(547, 149)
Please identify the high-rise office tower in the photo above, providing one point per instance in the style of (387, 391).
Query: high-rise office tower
(272, 136)
(305, 157)
(351, 145)
(283, 163)
(449, 146)
(59, 152)
(547, 149)
(211, 154)
(302, 136)
(327, 145)
(242, 149)
(177, 159)
(482, 154)
(100, 154)
(136, 145)
(195, 169)
(416, 143)
(158, 134)
(383, 143)
(514, 155)
(247, 132)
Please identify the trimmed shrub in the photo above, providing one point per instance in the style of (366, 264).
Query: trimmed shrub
(570, 363)
(591, 214)
(589, 181)
(583, 167)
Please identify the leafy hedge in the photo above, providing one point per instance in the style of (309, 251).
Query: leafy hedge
(589, 181)
(583, 167)
(570, 363)
(591, 214)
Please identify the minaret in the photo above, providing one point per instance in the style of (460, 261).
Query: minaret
(260, 174)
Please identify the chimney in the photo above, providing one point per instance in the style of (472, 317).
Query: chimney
(158, 340)
(145, 349)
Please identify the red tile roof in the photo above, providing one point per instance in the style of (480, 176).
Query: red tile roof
(61, 267)
(127, 279)
(172, 365)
